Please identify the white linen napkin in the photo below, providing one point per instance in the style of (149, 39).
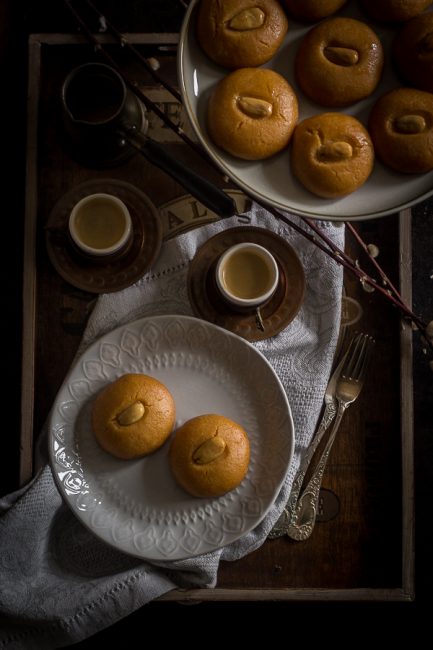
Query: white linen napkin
(59, 583)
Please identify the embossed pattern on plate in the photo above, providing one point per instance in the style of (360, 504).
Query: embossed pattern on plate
(137, 506)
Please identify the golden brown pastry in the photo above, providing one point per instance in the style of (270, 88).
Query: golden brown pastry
(393, 11)
(209, 455)
(332, 154)
(401, 127)
(339, 62)
(241, 33)
(252, 113)
(312, 10)
(413, 51)
(133, 416)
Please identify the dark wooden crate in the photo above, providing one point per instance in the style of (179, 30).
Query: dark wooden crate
(365, 552)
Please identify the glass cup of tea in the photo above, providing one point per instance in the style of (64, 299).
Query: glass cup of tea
(100, 225)
(247, 276)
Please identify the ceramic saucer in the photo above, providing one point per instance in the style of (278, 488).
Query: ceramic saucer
(118, 271)
(276, 314)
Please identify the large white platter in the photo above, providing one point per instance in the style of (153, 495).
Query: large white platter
(271, 181)
(136, 506)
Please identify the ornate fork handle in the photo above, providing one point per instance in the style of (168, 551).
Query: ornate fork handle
(327, 418)
(286, 517)
(304, 512)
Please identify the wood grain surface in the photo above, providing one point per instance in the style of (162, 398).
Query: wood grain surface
(360, 550)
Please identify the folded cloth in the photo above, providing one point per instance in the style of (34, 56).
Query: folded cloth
(60, 583)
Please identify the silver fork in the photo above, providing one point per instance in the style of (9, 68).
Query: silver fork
(329, 414)
(349, 385)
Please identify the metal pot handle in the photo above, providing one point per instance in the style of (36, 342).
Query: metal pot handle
(203, 190)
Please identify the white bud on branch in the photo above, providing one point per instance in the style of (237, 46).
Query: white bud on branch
(373, 250)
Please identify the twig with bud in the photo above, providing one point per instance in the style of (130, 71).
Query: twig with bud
(373, 252)
(327, 246)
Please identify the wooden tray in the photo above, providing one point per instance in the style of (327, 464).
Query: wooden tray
(362, 547)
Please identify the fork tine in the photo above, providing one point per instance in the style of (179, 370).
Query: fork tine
(358, 356)
(352, 355)
(368, 350)
(359, 361)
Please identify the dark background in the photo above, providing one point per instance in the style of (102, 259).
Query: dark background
(17, 20)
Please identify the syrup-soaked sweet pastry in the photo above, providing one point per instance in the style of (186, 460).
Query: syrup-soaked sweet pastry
(241, 33)
(339, 62)
(252, 113)
(413, 52)
(209, 455)
(331, 154)
(401, 127)
(394, 11)
(133, 416)
(310, 11)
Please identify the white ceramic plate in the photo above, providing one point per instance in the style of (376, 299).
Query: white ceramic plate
(270, 181)
(137, 506)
